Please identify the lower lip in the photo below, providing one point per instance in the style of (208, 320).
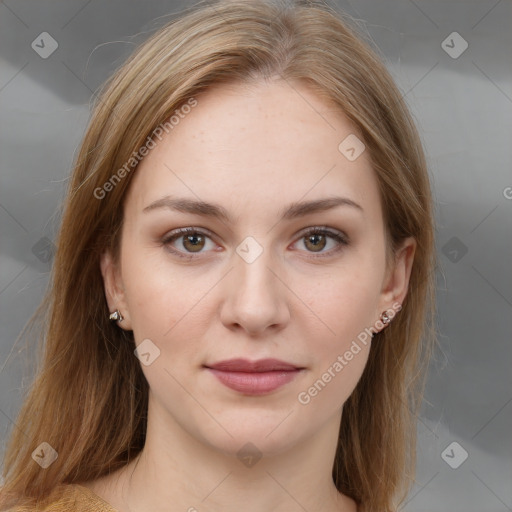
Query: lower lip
(255, 383)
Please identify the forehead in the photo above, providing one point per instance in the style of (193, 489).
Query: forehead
(258, 145)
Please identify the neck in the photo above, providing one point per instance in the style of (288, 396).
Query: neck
(179, 471)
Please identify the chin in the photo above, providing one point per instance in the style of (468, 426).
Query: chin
(249, 432)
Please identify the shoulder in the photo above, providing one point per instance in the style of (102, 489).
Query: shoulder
(69, 498)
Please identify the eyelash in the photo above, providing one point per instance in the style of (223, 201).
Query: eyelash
(340, 238)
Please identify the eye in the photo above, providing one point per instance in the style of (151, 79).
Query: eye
(193, 241)
(316, 239)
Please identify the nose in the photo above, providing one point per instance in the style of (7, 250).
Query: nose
(255, 296)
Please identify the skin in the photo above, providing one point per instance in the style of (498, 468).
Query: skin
(253, 149)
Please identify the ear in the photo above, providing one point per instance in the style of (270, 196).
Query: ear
(114, 290)
(396, 282)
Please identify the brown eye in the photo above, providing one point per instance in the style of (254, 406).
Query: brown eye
(316, 242)
(193, 241)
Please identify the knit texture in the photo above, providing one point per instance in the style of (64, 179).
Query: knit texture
(70, 498)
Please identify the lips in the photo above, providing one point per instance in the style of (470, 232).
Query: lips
(243, 365)
(254, 377)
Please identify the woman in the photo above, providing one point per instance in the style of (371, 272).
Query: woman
(242, 293)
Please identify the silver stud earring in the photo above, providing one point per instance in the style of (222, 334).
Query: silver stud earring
(384, 318)
(116, 316)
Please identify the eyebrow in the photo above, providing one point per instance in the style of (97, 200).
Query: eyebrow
(294, 210)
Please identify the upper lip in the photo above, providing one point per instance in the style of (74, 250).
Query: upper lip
(244, 365)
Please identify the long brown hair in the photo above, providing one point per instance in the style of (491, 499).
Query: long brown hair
(89, 397)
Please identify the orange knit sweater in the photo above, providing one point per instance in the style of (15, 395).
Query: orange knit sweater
(70, 498)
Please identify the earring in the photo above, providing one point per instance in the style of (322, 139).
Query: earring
(384, 318)
(116, 316)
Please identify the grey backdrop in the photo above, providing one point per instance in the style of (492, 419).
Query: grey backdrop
(55, 54)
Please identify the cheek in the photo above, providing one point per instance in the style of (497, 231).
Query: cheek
(339, 355)
(343, 348)
(156, 298)
(167, 305)
(345, 304)
(345, 301)
(333, 384)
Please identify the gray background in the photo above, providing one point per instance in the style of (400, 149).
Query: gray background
(462, 105)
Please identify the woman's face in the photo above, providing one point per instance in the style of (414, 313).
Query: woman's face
(248, 282)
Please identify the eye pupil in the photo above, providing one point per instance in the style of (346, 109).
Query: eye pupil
(197, 242)
(314, 239)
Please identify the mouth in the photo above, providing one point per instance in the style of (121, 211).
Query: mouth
(254, 377)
